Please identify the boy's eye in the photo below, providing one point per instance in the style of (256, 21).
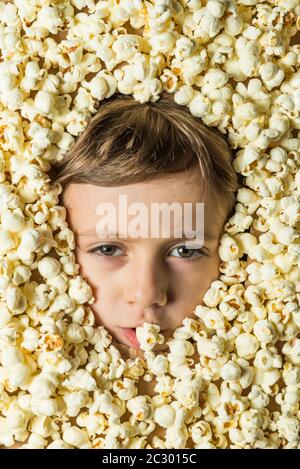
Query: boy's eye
(189, 253)
(108, 250)
(183, 252)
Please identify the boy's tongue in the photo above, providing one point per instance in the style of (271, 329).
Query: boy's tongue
(130, 334)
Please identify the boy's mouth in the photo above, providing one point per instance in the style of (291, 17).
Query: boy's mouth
(129, 334)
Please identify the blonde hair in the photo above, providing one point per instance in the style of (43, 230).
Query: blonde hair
(127, 142)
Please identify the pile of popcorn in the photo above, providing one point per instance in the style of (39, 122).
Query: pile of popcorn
(63, 384)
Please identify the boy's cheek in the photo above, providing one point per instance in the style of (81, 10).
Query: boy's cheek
(101, 318)
(105, 306)
(87, 268)
(80, 260)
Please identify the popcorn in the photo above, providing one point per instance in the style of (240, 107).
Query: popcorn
(228, 249)
(271, 74)
(264, 359)
(164, 416)
(44, 103)
(43, 406)
(95, 424)
(287, 235)
(179, 347)
(76, 437)
(200, 105)
(13, 222)
(126, 45)
(184, 47)
(206, 23)
(212, 318)
(231, 306)
(5, 315)
(176, 438)
(11, 356)
(159, 365)
(75, 401)
(164, 385)
(246, 345)
(258, 398)
(187, 393)
(125, 389)
(147, 90)
(7, 242)
(140, 407)
(48, 267)
(41, 387)
(30, 240)
(264, 331)
(288, 428)
(267, 380)
(148, 336)
(63, 384)
(81, 379)
(60, 282)
(16, 300)
(231, 371)
(98, 87)
(169, 80)
(212, 348)
(35, 442)
(80, 290)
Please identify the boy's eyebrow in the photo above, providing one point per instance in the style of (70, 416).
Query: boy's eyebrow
(92, 232)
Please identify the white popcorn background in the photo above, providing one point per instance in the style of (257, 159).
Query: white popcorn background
(63, 384)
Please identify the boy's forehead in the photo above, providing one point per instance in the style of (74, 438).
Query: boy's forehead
(83, 201)
(184, 186)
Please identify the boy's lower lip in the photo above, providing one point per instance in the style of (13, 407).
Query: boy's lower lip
(130, 335)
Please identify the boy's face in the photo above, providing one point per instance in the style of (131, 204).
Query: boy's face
(156, 279)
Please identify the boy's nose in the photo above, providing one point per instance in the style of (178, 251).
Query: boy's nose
(146, 286)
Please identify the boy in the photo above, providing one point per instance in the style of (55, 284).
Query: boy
(152, 153)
